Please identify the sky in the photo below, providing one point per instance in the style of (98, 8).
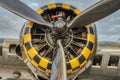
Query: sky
(108, 29)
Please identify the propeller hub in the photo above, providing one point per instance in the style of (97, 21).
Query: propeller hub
(60, 27)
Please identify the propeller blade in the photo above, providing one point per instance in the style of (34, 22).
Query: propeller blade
(96, 12)
(59, 64)
(19, 8)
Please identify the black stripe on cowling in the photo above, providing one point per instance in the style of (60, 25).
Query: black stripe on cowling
(42, 68)
(1, 50)
(28, 46)
(90, 30)
(27, 30)
(90, 45)
(81, 59)
(69, 66)
(1, 46)
(73, 8)
(36, 58)
(44, 7)
(59, 4)
(49, 66)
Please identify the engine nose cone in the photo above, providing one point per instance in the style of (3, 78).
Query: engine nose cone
(60, 24)
(59, 27)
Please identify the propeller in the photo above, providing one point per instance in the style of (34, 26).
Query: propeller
(96, 12)
(59, 64)
(20, 9)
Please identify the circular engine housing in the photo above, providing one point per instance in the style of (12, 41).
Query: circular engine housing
(38, 42)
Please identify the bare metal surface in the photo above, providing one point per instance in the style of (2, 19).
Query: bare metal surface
(59, 64)
(102, 72)
(7, 72)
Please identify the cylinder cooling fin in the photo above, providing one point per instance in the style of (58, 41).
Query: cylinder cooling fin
(39, 42)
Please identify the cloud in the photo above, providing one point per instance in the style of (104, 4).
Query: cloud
(10, 24)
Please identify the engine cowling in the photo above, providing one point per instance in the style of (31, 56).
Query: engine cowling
(38, 42)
